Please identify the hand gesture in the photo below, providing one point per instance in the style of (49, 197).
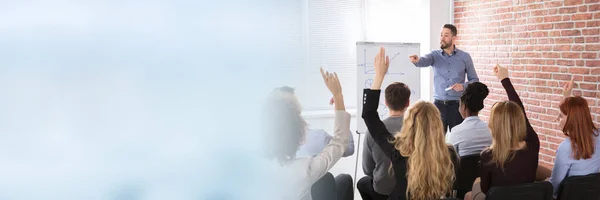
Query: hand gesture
(382, 63)
(414, 58)
(332, 82)
(458, 87)
(569, 87)
(500, 72)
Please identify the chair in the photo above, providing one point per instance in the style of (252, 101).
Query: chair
(467, 172)
(529, 191)
(324, 188)
(580, 187)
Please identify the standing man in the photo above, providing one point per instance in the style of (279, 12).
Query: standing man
(449, 68)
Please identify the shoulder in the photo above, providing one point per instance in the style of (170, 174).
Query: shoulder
(460, 51)
(564, 147)
(459, 128)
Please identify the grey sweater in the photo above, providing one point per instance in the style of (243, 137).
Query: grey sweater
(376, 164)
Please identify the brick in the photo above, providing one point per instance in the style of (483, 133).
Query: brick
(565, 62)
(543, 48)
(595, 31)
(595, 71)
(573, 2)
(591, 79)
(550, 62)
(550, 69)
(564, 25)
(594, 23)
(583, 8)
(543, 75)
(550, 55)
(567, 10)
(567, 18)
(533, 55)
(570, 32)
(579, 24)
(578, 70)
(552, 19)
(584, 16)
(587, 55)
(588, 86)
(553, 4)
(589, 94)
(592, 47)
(579, 39)
(532, 68)
(571, 55)
(554, 33)
(544, 26)
(580, 63)
(563, 40)
(541, 90)
(595, 7)
(592, 63)
(537, 82)
(563, 77)
(536, 61)
(577, 48)
(539, 13)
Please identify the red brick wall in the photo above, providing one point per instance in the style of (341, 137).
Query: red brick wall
(544, 43)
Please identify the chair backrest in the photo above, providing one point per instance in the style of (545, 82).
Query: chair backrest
(528, 191)
(324, 188)
(467, 172)
(580, 187)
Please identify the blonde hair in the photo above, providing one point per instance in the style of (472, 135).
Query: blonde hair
(430, 171)
(508, 128)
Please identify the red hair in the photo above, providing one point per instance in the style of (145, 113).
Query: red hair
(579, 126)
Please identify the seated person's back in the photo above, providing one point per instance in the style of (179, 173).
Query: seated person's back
(471, 136)
(379, 183)
(578, 154)
(513, 157)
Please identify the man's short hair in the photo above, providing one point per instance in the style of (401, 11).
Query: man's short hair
(397, 96)
(452, 29)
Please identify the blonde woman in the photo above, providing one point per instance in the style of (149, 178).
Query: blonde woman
(513, 157)
(423, 164)
(285, 133)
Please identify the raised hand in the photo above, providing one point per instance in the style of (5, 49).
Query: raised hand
(382, 63)
(333, 84)
(500, 72)
(568, 88)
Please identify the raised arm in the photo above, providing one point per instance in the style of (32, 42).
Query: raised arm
(424, 61)
(502, 74)
(376, 128)
(324, 161)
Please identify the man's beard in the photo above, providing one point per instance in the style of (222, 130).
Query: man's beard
(445, 46)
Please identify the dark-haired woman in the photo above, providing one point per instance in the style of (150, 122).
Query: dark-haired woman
(472, 135)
